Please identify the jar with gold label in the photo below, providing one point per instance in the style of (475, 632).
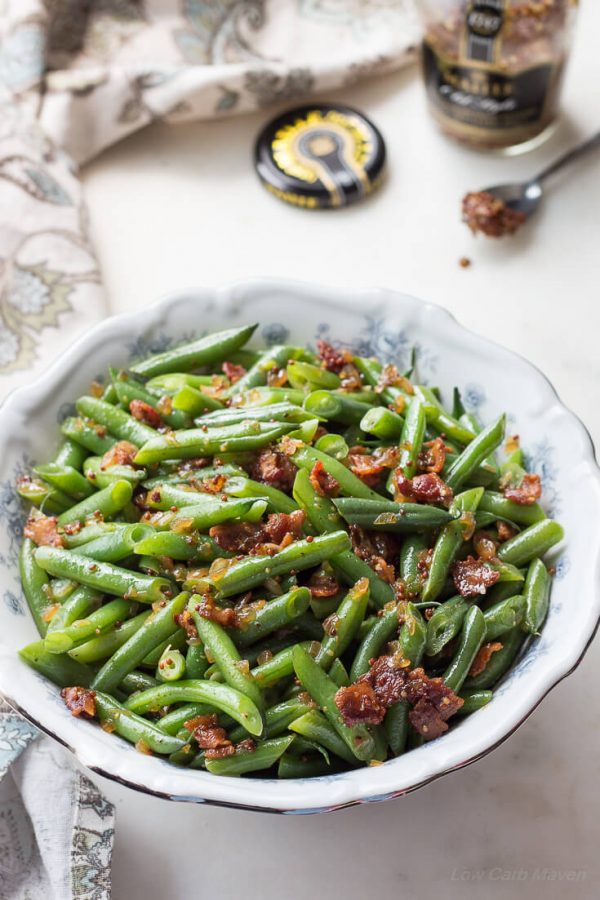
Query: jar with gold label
(493, 68)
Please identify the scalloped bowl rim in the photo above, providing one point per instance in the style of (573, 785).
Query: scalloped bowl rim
(329, 792)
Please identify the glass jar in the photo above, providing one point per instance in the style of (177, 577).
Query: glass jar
(493, 68)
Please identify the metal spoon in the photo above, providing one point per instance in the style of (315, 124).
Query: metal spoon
(525, 196)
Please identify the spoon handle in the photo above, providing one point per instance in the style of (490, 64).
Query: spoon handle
(570, 157)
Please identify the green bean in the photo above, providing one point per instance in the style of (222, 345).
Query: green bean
(470, 420)
(324, 518)
(114, 545)
(383, 423)
(177, 641)
(88, 434)
(413, 633)
(221, 697)
(117, 421)
(277, 718)
(385, 625)
(277, 613)
(291, 766)
(104, 577)
(344, 624)
(411, 437)
(175, 720)
(336, 407)
(499, 663)
(475, 453)
(174, 381)
(83, 629)
(71, 454)
(109, 501)
(103, 478)
(35, 583)
(104, 645)
(185, 475)
(413, 548)
(438, 417)
(211, 511)
(196, 442)
(396, 727)
(156, 628)
(275, 412)
(445, 624)
(253, 570)
(91, 532)
(196, 662)
(227, 658)
(263, 756)
(323, 690)
(537, 596)
(280, 666)
(306, 457)
(473, 700)
(193, 546)
(384, 515)
(59, 669)
(338, 673)
(192, 402)
(315, 727)
(136, 681)
(510, 511)
(392, 395)
(48, 499)
(306, 376)
(472, 637)
(531, 543)
(504, 616)
(265, 396)
(448, 543)
(333, 445)
(66, 478)
(144, 734)
(205, 351)
(238, 486)
(76, 606)
(171, 666)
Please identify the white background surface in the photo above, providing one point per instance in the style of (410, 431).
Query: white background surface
(171, 208)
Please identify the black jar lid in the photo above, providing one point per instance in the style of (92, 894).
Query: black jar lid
(320, 156)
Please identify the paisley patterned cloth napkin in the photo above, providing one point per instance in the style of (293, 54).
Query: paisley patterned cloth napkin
(75, 77)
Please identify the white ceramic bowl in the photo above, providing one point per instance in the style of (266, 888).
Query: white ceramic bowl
(373, 322)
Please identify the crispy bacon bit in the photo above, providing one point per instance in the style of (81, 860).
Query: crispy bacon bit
(388, 678)
(247, 746)
(324, 483)
(350, 376)
(185, 620)
(505, 531)
(426, 488)
(484, 545)
(80, 701)
(472, 577)
(369, 467)
(483, 212)
(359, 705)
(322, 584)
(233, 372)
(145, 413)
(526, 493)
(278, 525)
(208, 734)
(224, 616)
(43, 531)
(120, 454)
(432, 457)
(277, 377)
(484, 654)
(237, 537)
(275, 469)
(369, 545)
(213, 485)
(391, 377)
(332, 359)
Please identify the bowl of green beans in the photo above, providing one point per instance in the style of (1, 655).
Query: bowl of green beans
(288, 548)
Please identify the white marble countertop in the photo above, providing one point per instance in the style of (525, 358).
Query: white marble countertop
(180, 207)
